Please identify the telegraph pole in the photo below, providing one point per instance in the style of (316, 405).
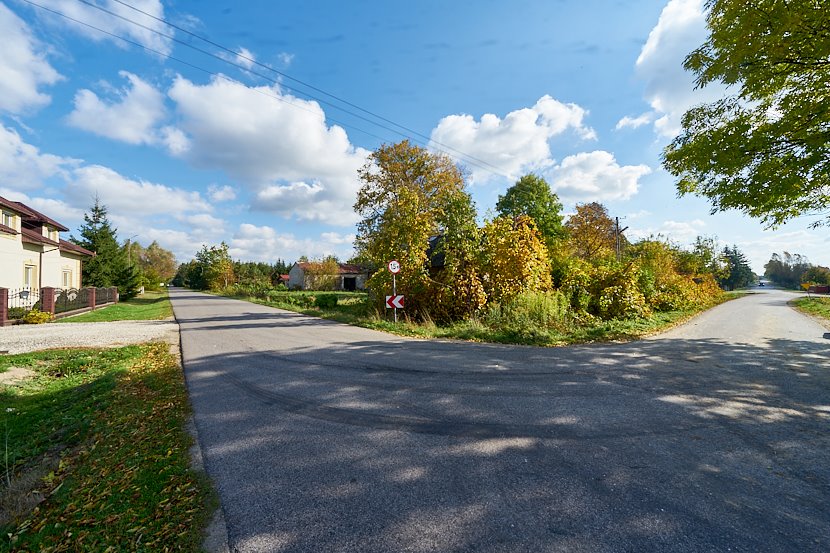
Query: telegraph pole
(617, 235)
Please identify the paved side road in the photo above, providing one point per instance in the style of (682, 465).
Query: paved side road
(324, 437)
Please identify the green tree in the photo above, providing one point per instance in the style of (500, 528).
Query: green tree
(740, 274)
(156, 263)
(532, 196)
(409, 195)
(787, 270)
(109, 266)
(213, 268)
(764, 150)
(322, 274)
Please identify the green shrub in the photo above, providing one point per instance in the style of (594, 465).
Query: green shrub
(17, 312)
(36, 317)
(326, 301)
(528, 312)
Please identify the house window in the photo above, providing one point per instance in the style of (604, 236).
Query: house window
(8, 219)
(28, 276)
(53, 235)
(66, 279)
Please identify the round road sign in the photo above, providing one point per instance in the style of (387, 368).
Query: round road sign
(394, 267)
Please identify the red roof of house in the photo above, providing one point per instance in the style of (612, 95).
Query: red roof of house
(29, 214)
(75, 248)
(31, 236)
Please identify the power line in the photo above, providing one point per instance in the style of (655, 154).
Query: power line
(481, 164)
(198, 68)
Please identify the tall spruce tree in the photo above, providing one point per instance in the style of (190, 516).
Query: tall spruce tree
(109, 266)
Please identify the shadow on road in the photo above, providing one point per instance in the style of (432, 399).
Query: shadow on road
(427, 446)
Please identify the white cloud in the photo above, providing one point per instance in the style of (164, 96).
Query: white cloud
(146, 36)
(516, 144)
(669, 88)
(221, 193)
(243, 57)
(23, 66)
(266, 244)
(285, 58)
(23, 167)
(204, 222)
(682, 232)
(274, 143)
(132, 117)
(596, 176)
(129, 197)
(635, 122)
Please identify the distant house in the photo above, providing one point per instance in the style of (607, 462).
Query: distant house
(349, 278)
(32, 253)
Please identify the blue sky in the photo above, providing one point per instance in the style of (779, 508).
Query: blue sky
(214, 146)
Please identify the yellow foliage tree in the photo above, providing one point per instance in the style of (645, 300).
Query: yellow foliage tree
(515, 259)
(592, 233)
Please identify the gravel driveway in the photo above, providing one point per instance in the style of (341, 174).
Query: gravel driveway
(24, 338)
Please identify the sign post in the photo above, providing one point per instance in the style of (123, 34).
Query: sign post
(394, 268)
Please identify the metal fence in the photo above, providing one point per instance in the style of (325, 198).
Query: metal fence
(23, 300)
(105, 295)
(70, 299)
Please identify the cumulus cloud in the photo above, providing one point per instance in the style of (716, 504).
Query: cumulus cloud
(682, 232)
(243, 57)
(277, 145)
(134, 197)
(669, 88)
(634, 122)
(131, 117)
(146, 36)
(516, 144)
(23, 66)
(596, 176)
(221, 193)
(266, 244)
(285, 58)
(24, 167)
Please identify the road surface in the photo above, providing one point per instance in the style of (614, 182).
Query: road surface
(324, 437)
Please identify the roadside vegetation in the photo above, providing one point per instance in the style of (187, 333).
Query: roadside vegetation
(794, 271)
(96, 453)
(818, 307)
(150, 306)
(526, 275)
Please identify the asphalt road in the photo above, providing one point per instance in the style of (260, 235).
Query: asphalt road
(322, 437)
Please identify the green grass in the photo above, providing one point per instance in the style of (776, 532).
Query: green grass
(150, 306)
(352, 309)
(817, 307)
(99, 434)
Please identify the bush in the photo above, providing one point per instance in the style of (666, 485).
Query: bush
(17, 312)
(326, 301)
(528, 312)
(36, 317)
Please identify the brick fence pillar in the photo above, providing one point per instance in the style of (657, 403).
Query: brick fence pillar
(4, 306)
(47, 300)
(90, 295)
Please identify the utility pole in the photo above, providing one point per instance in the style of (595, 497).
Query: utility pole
(617, 235)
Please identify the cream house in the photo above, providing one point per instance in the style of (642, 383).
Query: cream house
(32, 253)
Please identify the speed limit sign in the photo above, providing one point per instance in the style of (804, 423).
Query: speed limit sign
(394, 267)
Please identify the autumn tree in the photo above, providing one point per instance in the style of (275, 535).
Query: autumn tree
(156, 264)
(515, 259)
(213, 268)
(592, 233)
(532, 196)
(764, 149)
(321, 274)
(409, 195)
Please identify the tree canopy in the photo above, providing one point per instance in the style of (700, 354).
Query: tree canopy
(532, 196)
(592, 231)
(764, 149)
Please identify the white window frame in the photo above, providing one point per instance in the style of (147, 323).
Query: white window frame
(29, 275)
(8, 219)
(66, 278)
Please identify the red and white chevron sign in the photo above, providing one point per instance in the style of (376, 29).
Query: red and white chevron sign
(394, 302)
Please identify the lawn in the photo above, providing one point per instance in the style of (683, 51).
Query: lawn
(149, 306)
(352, 308)
(818, 307)
(96, 455)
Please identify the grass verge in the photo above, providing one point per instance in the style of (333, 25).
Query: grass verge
(352, 309)
(150, 306)
(816, 307)
(96, 453)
